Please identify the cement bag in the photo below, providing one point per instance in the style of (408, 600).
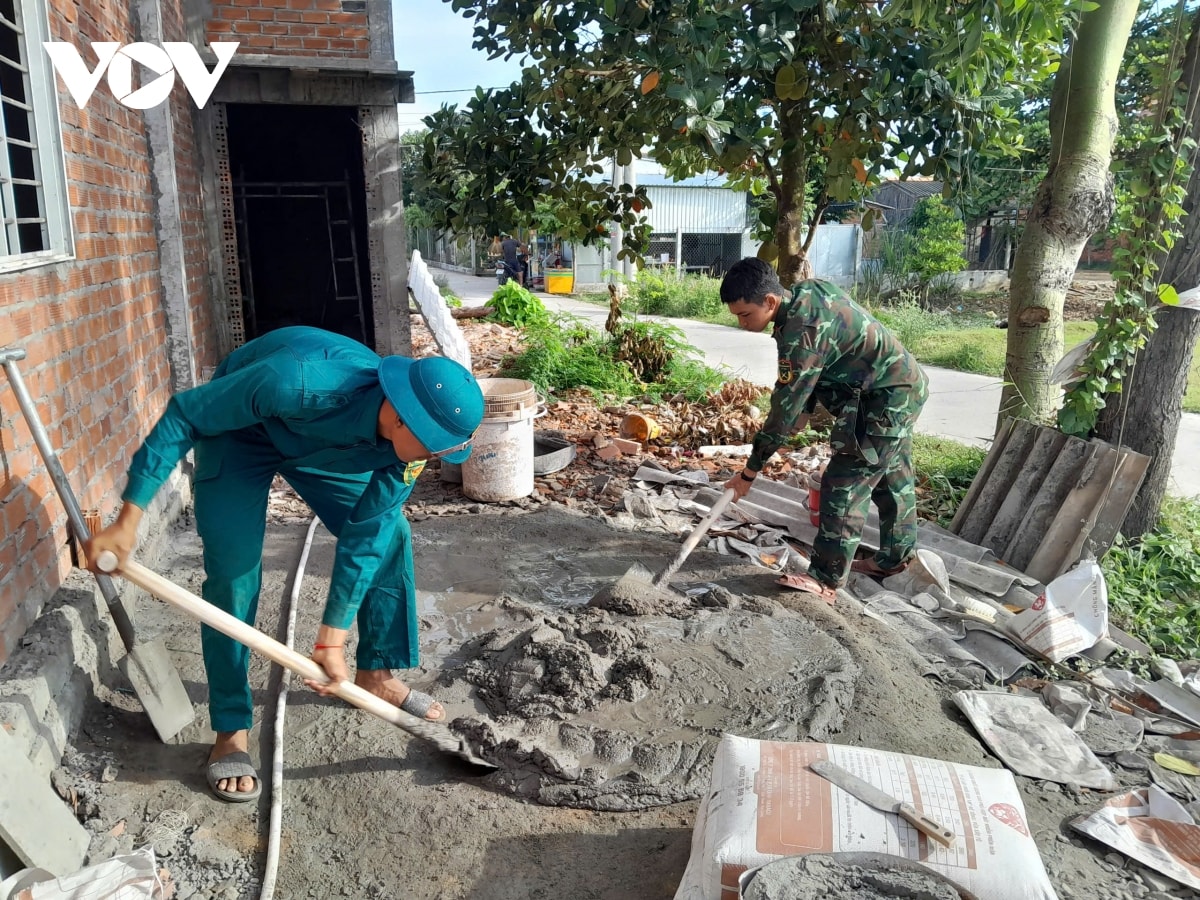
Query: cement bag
(1069, 618)
(765, 804)
(131, 876)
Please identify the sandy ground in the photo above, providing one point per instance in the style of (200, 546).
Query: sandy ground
(370, 812)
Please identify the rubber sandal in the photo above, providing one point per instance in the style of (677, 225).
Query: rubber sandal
(235, 765)
(869, 567)
(418, 704)
(809, 585)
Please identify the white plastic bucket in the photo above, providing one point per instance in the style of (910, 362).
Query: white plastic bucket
(500, 466)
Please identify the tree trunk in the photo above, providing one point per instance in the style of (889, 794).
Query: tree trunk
(792, 264)
(1074, 200)
(1145, 416)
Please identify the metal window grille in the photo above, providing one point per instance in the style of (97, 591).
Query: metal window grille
(31, 176)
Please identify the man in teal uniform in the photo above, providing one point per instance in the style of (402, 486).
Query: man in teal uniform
(350, 432)
(833, 351)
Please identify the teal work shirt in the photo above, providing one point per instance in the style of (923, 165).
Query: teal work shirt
(315, 397)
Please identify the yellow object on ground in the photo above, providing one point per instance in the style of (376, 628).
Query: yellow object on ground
(560, 281)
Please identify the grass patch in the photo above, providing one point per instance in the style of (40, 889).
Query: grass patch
(980, 350)
(969, 342)
(944, 471)
(1154, 582)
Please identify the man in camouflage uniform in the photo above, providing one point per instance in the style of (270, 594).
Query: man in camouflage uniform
(833, 351)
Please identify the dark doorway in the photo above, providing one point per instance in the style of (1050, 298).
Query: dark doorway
(298, 199)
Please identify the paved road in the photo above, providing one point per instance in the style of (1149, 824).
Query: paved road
(961, 406)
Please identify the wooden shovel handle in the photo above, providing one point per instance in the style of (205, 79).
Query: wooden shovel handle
(187, 602)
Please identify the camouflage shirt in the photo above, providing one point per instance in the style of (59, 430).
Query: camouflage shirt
(833, 351)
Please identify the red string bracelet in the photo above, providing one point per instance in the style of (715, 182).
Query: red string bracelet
(328, 646)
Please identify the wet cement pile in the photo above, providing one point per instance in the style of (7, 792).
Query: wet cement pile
(820, 877)
(611, 712)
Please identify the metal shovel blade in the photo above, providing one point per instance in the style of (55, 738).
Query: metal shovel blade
(147, 666)
(149, 670)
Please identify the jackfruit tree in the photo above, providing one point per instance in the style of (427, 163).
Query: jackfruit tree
(806, 102)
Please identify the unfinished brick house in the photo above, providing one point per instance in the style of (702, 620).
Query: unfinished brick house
(143, 245)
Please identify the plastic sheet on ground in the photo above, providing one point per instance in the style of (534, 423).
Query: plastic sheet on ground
(948, 643)
(1152, 827)
(125, 877)
(931, 641)
(1031, 741)
(765, 804)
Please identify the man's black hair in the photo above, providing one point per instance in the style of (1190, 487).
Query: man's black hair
(750, 279)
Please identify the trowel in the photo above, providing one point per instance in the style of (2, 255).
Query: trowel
(638, 576)
(185, 601)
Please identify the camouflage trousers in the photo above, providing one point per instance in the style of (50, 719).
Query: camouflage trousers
(849, 484)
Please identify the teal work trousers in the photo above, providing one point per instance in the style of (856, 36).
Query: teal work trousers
(232, 481)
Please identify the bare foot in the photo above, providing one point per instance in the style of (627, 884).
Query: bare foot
(231, 742)
(382, 683)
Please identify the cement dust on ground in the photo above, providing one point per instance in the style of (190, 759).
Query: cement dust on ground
(602, 712)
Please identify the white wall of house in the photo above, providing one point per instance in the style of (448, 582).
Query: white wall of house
(706, 210)
(836, 253)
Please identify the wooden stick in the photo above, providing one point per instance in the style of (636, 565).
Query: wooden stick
(188, 603)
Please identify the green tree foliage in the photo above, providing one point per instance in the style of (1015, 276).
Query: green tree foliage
(937, 249)
(774, 93)
(1006, 182)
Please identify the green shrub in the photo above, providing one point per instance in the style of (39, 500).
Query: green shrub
(563, 353)
(443, 285)
(513, 305)
(937, 247)
(1154, 582)
(689, 297)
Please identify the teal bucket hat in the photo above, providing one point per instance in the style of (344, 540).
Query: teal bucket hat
(439, 400)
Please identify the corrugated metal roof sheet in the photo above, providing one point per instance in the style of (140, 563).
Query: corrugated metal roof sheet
(1043, 500)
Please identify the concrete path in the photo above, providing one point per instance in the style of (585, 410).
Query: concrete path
(961, 406)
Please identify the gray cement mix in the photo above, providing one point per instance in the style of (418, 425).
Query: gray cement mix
(606, 712)
(597, 710)
(826, 877)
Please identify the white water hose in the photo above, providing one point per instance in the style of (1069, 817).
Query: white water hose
(272, 866)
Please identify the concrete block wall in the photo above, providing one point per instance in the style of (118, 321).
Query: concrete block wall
(312, 28)
(93, 329)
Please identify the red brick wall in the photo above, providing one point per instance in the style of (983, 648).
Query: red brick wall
(93, 328)
(335, 28)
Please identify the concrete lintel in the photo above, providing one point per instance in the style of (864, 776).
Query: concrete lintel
(34, 822)
(308, 87)
(370, 66)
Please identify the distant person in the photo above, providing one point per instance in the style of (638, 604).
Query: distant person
(833, 351)
(512, 250)
(350, 432)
